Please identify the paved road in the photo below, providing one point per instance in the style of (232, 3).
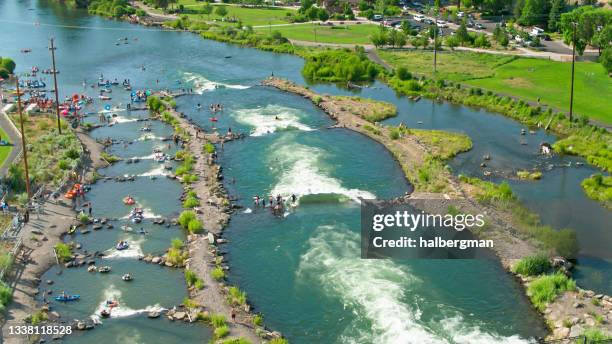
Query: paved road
(14, 138)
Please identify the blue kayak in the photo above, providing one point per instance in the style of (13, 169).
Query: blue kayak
(66, 298)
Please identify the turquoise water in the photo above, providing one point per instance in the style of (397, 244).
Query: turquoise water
(302, 271)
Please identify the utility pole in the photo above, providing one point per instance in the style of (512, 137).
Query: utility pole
(573, 61)
(23, 141)
(314, 27)
(54, 71)
(435, 43)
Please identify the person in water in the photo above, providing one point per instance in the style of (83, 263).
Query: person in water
(293, 198)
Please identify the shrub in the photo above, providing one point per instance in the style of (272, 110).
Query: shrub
(221, 332)
(594, 335)
(209, 148)
(217, 320)
(237, 296)
(186, 217)
(189, 303)
(63, 252)
(403, 74)
(545, 289)
(84, 219)
(190, 277)
(38, 317)
(6, 295)
(218, 273)
(394, 134)
(191, 202)
(199, 284)
(532, 266)
(279, 341)
(257, 320)
(194, 226)
(177, 244)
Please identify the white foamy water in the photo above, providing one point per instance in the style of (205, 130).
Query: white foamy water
(121, 311)
(201, 84)
(133, 251)
(247, 211)
(121, 119)
(145, 157)
(303, 174)
(158, 171)
(268, 119)
(147, 213)
(147, 137)
(375, 291)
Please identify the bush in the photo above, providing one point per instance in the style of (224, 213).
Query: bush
(403, 74)
(221, 332)
(545, 289)
(209, 148)
(186, 217)
(191, 202)
(6, 295)
(532, 266)
(236, 296)
(198, 284)
(177, 244)
(190, 277)
(279, 341)
(258, 320)
(194, 226)
(394, 134)
(218, 273)
(63, 252)
(593, 335)
(217, 320)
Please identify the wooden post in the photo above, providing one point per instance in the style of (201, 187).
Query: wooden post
(54, 71)
(23, 141)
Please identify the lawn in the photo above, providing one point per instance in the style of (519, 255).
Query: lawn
(342, 34)
(4, 150)
(248, 15)
(521, 77)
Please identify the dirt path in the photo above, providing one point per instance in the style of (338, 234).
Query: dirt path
(214, 214)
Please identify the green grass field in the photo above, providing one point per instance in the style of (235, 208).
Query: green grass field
(248, 15)
(4, 150)
(521, 77)
(339, 34)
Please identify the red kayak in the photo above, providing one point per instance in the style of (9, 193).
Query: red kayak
(213, 119)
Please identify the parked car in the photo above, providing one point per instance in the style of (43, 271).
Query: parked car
(418, 18)
(377, 17)
(441, 23)
(479, 26)
(536, 32)
(469, 23)
(460, 14)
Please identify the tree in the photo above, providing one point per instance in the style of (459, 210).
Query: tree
(534, 12)
(588, 21)
(379, 38)
(462, 33)
(606, 59)
(7, 64)
(206, 9)
(405, 26)
(322, 15)
(221, 11)
(556, 8)
(602, 38)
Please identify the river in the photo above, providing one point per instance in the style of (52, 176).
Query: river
(302, 271)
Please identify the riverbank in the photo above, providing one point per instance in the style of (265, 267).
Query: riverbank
(511, 245)
(39, 237)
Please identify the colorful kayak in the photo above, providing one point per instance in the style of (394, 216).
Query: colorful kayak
(66, 298)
